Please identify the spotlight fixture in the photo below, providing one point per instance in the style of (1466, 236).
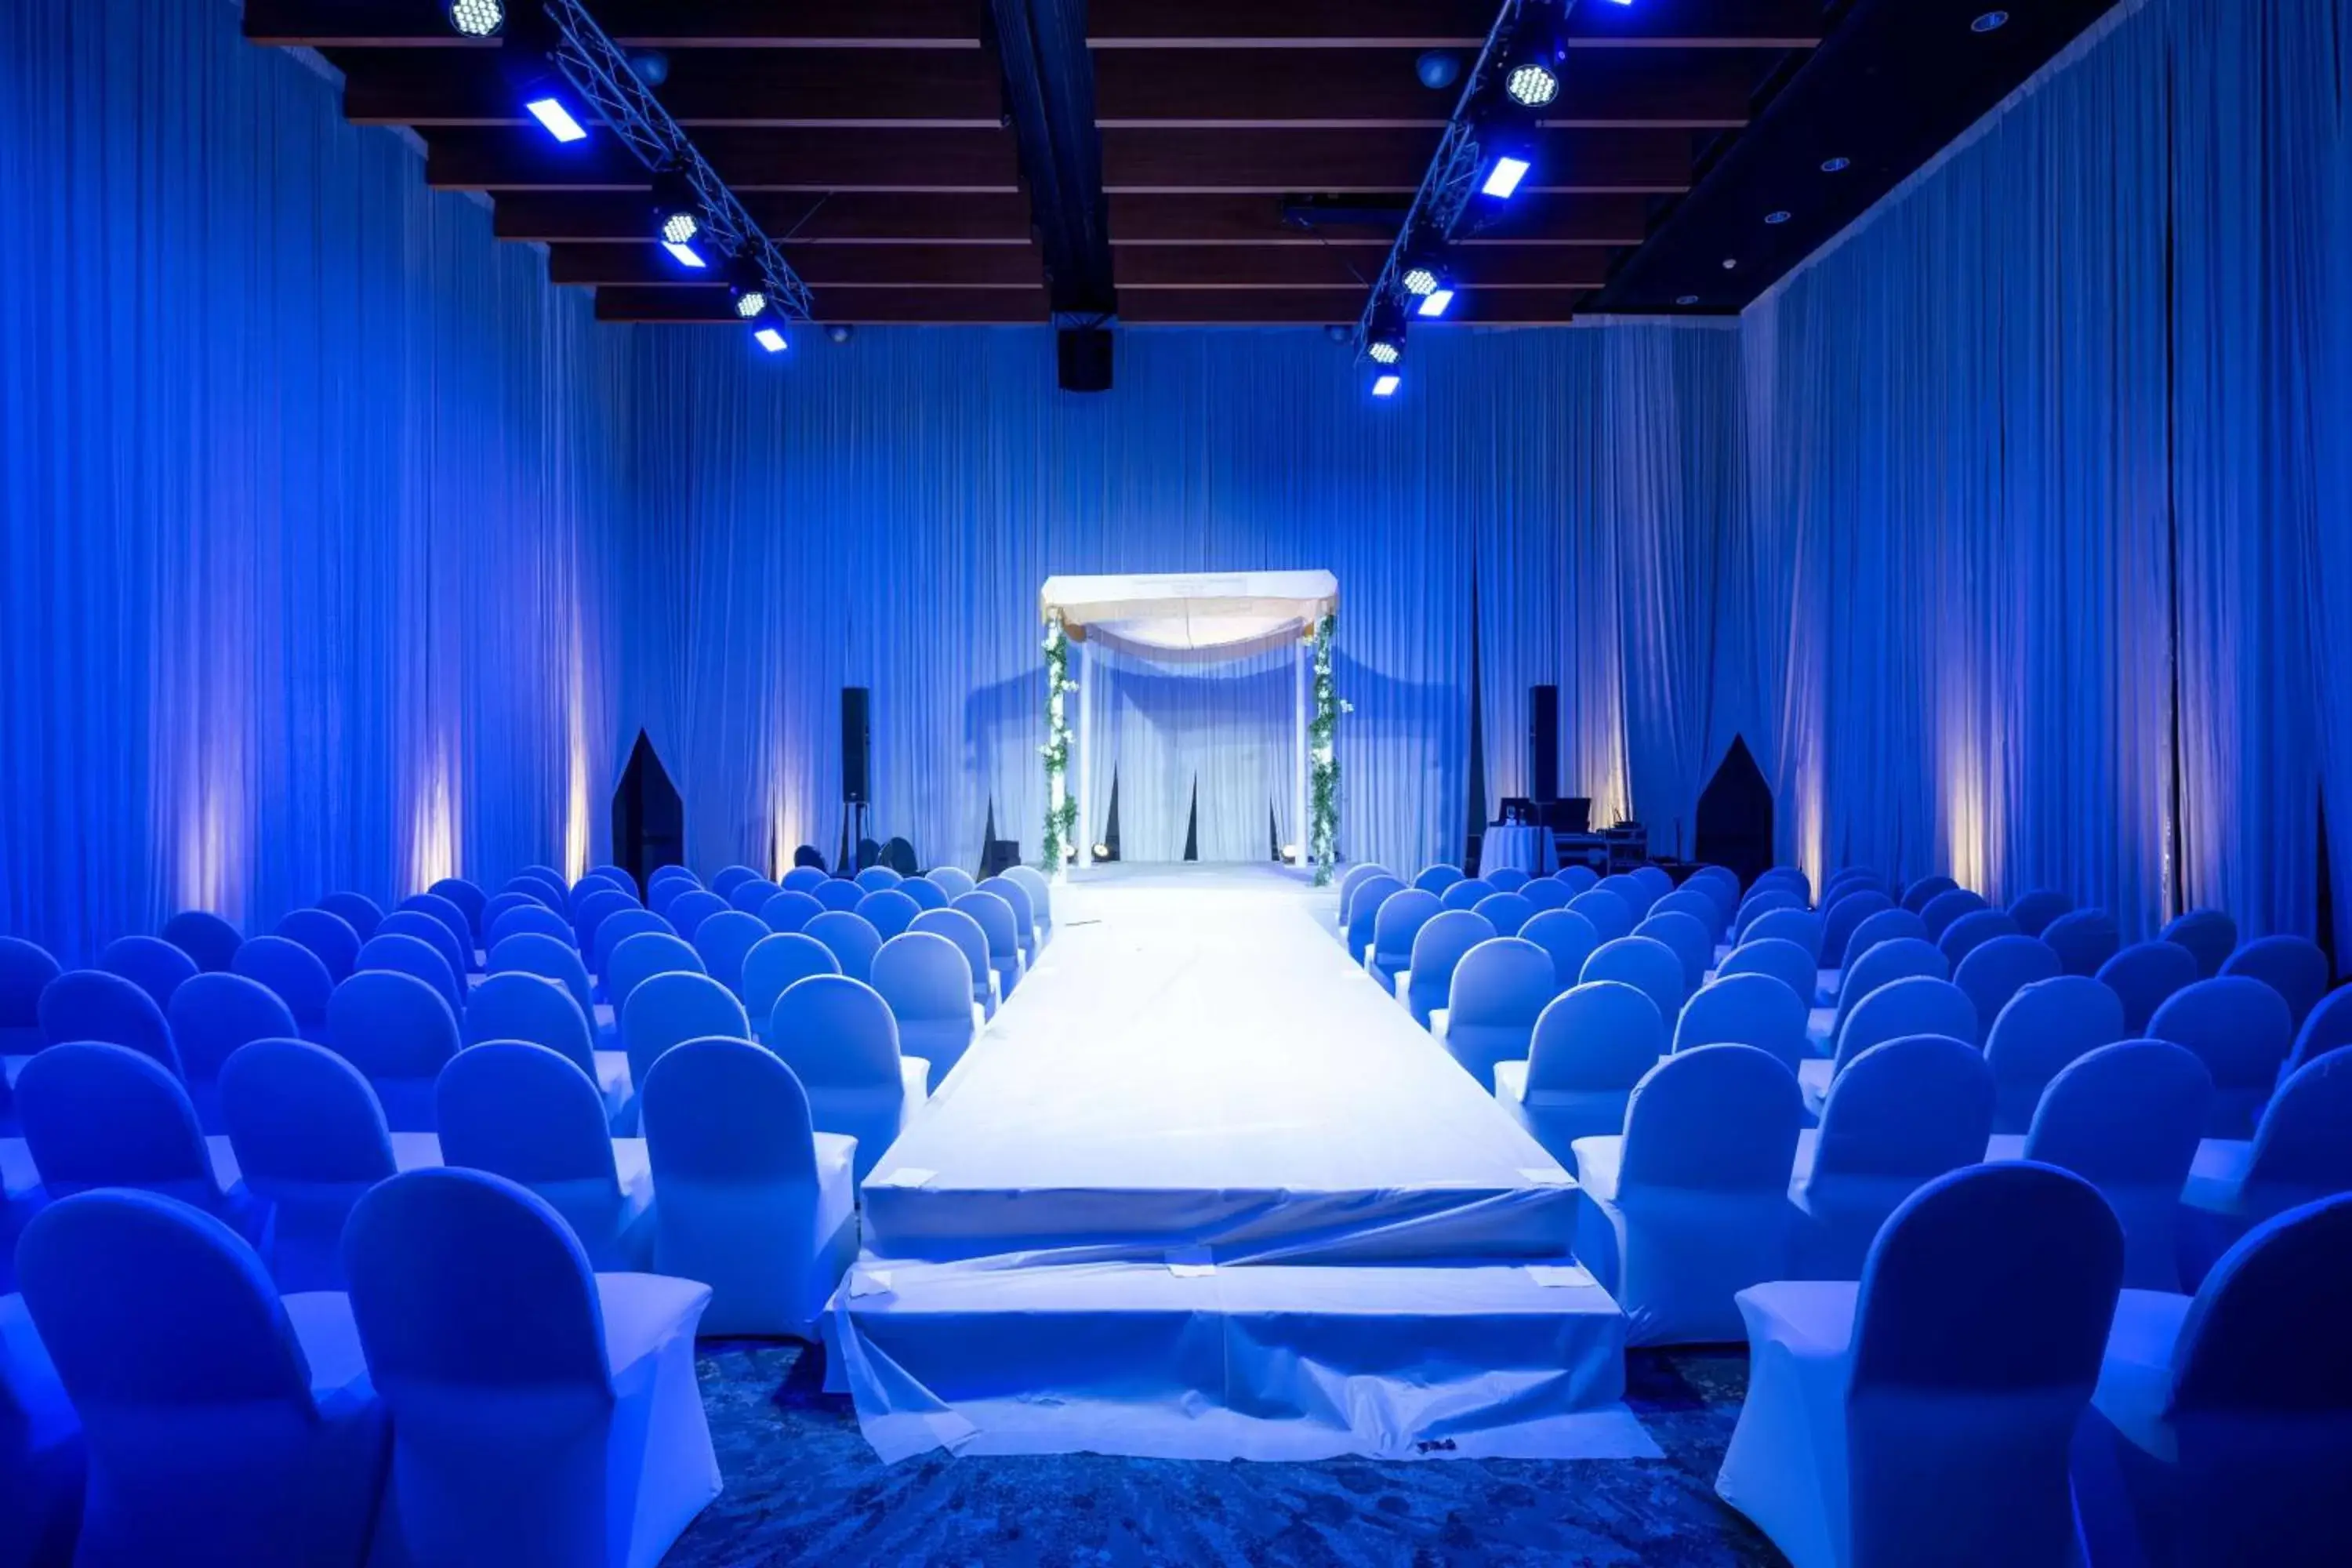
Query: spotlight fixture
(677, 218)
(549, 110)
(477, 18)
(652, 66)
(1421, 278)
(1776, 217)
(749, 303)
(769, 339)
(1290, 854)
(1503, 177)
(1990, 21)
(1386, 385)
(527, 59)
(1437, 70)
(1102, 852)
(1835, 165)
(1386, 348)
(1435, 301)
(1532, 84)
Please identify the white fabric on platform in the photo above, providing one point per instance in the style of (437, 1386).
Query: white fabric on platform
(1190, 610)
(1110, 1231)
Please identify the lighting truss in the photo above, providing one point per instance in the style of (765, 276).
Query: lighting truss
(594, 65)
(1482, 124)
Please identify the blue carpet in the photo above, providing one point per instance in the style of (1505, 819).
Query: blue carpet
(803, 1487)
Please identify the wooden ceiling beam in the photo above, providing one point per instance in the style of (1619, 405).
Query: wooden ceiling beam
(860, 306)
(812, 219)
(634, 24)
(1145, 267)
(884, 159)
(1148, 161)
(820, 266)
(1259, 219)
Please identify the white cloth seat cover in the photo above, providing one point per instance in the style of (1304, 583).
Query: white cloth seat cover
(2298, 1154)
(1896, 958)
(1886, 925)
(668, 1009)
(1610, 916)
(2241, 1030)
(928, 984)
(1500, 988)
(1778, 957)
(2143, 975)
(770, 967)
(554, 958)
(721, 942)
(1901, 1114)
(1757, 1010)
(838, 1037)
(1647, 964)
(1568, 936)
(1916, 1004)
(1396, 925)
(2083, 939)
(1507, 912)
(41, 1460)
(1592, 1045)
(1924, 1415)
(222, 1424)
(2294, 966)
(522, 1112)
(1690, 1204)
(402, 952)
(972, 943)
(91, 1005)
(2046, 1025)
(211, 1016)
(888, 911)
(543, 1417)
(2209, 935)
(1801, 926)
(523, 1006)
(1437, 947)
(791, 908)
(994, 917)
(754, 1201)
(1994, 971)
(1687, 937)
(290, 970)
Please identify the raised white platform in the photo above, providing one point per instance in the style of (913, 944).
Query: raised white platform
(1203, 1191)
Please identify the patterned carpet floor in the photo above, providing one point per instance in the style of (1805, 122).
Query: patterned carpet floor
(803, 1488)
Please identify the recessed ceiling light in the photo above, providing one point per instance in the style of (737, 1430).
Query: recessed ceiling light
(1729, 262)
(1989, 21)
(1776, 217)
(1686, 299)
(1832, 165)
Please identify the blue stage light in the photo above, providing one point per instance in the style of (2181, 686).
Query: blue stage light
(549, 111)
(1386, 385)
(1434, 302)
(769, 339)
(1504, 177)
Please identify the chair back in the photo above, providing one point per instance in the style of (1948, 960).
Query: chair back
(995, 917)
(1467, 893)
(401, 953)
(149, 962)
(1507, 912)
(1355, 877)
(726, 1111)
(2209, 935)
(356, 909)
(91, 1005)
(616, 929)
(1363, 907)
(522, 1112)
(1762, 902)
(1781, 959)
(214, 1014)
(1919, 1004)
(1579, 879)
(1909, 1108)
(2262, 1394)
(419, 925)
(1435, 879)
(1507, 878)
(529, 916)
(2044, 1027)
(792, 909)
(1996, 971)
(1545, 893)
(549, 958)
(469, 900)
(888, 911)
(25, 968)
(693, 907)
(1978, 1330)
(731, 878)
(454, 920)
(1790, 878)
(953, 881)
(1716, 1119)
(1904, 958)
(310, 1139)
(837, 893)
(592, 908)
(1637, 894)
(852, 938)
(1437, 947)
(873, 879)
(1689, 939)
(1916, 896)
(206, 938)
(2241, 1030)
(2300, 1147)
(775, 962)
(724, 940)
(293, 973)
(2126, 1114)
(1041, 893)
(2143, 975)
(501, 905)
(1024, 915)
(802, 879)
(674, 1008)
(519, 1006)
(399, 1032)
(673, 872)
(1502, 984)
(1940, 911)
(1695, 902)
(1645, 963)
(1840, 920)
(2291, 965)
(925, 979)
(1602, 1035)
(1656, 881)
(1567, 936)
(106, 1116)
(2329, 1025)
(1972, 930)
(1886, 925)
(836, 1033)
(926, 894)
(1610, 916)
(971, 940)
(1802, 927)
(639, 958)
(1749, 1009)
(751, 895)
(2083, 939)
(2033, 912)
(1396, 924)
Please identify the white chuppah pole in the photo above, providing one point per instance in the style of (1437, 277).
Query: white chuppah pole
(1303, 672)
(1083, 829)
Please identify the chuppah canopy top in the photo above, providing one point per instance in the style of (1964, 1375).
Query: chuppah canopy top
(1191, 611)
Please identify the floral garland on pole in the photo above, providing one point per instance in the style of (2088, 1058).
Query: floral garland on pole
(1061, 810)
(1323, 757)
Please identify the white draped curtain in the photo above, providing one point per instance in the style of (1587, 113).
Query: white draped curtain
(1175, 733)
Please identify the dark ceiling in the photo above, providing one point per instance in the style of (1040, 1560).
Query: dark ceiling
(912, 178)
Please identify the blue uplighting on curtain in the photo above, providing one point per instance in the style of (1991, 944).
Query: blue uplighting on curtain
(2034, 488)
(309, 488)
(885, 514)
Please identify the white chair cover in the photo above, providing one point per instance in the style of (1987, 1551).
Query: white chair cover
(722, 941)
(1972, 930)
(2125, 1118)
(1500, 988)
(1923, 1415)
(97, 1115)
(1896, 958)
(952, 881)
(838, 1037)
(2045, 1026)
(972, 943)
(1437, 947)
(853, 939)
(522, 1006)
(522, 1112)
(91, 1005)
(1591, 1046)
(1647, 964)
(211, 1016)
(399, 1033)
(792, 909)
(2291, 965)
(888, 911)
(2241, 1030)
(1901, 1114)
(1396, 926)
(2144, 974)
(670, 1009)
(543, 1417)
(149, 962)
(294, 972)
(399, 953)
(1467, 893)
(1507, 912)
(771, 967)
(994, 918)
(1917, 1005)
(1757, 1010)
(2083, 939)
(1688, 937)
(690, 908)
(2209, 935)
(637, 959)
(41, 1460)
(1801, 926)
(204, 937)
(1781, 959)
(754, 1202)
(1946, 907)
(1568, 936)
(2298, 1154)
(1996, 971)
(1886, 925)
(928, 983)
(1610, 916)
(1690, 1205)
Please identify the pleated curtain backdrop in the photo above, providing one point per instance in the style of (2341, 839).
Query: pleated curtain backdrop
(309, 491)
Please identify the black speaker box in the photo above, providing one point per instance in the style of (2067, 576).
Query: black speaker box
(856, 747)
(1543, 742)
(1084, 354)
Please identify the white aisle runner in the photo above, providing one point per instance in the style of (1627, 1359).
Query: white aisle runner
(1203, 1191)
